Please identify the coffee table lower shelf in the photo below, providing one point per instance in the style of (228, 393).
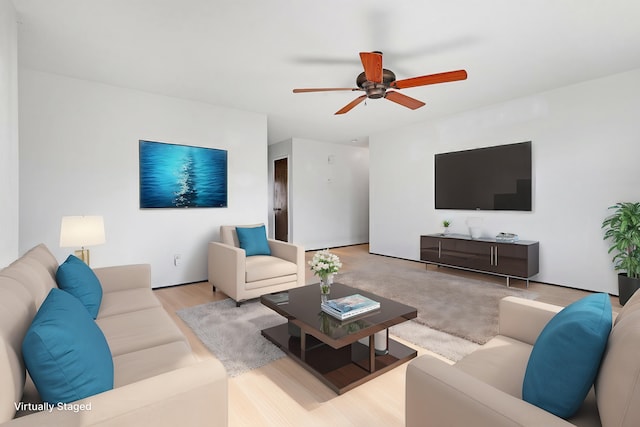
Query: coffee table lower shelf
(340, 369)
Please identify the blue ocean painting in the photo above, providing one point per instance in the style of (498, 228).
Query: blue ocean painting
(182, 176)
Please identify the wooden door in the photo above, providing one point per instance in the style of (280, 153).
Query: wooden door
(281, 199)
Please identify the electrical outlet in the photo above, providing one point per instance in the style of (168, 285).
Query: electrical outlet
(177, 260)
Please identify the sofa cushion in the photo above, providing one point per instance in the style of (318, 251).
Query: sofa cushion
(501, 362)
(44, 261)
(36, 272)
(16, 313)
(77, 278)
(262, 267)
(633, 304)
(566, 356)
(119, 302)
(253, 240)
(152, 361)
(65, 352)
(229, 236)
(618, 383)
(137, 330)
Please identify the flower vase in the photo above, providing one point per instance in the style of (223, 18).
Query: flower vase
(325, 287)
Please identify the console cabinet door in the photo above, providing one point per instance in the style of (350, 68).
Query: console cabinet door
(429, 249)
(455, 252)
(466, 253)
(452, 252)
(515, 260)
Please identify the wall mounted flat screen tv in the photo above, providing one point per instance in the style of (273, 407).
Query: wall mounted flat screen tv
(490, 178)
(182, 176)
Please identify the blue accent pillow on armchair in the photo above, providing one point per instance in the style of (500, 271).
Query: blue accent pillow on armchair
(566, 356)
(77, 278)
(65, 351)
(253, 240)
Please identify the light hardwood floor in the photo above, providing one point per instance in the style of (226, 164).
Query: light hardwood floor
(284, 394)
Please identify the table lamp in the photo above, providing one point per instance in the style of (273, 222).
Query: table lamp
(82, 231)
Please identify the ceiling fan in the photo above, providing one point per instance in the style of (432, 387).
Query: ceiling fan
(375, 82)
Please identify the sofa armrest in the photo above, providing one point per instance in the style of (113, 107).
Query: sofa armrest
(290, 252)
(286, 251)
(524, 319)
(193, 395)
(124, 277)
(438, 394)
(226, 268)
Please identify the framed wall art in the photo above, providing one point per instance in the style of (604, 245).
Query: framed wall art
(182, 176)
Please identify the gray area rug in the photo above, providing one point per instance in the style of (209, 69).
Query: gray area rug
(455, 316)
(233, 333)
(463, 307)
(452, 347)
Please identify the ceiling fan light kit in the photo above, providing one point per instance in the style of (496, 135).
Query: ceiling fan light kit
(375, 82)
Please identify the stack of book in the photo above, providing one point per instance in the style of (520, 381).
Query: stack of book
(350, 306)
(507, 237)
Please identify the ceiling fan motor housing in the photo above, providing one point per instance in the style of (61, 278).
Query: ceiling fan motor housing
(376, 90)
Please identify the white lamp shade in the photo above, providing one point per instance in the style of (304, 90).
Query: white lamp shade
(81, 231)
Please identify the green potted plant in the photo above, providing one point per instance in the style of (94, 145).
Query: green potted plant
(623, 229)
(446, 223)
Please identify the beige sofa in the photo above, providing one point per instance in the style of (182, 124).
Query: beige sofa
(157, 379)
(484, 389)
(244, 277)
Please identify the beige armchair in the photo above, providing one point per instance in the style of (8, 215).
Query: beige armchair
(244, 277)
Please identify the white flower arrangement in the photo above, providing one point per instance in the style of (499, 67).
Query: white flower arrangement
(325, 263)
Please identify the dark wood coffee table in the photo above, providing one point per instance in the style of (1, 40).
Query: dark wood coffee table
(329, 348)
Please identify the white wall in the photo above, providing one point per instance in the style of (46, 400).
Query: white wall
(8, 133)
(79, 155)
(586, 146)
(330, 198)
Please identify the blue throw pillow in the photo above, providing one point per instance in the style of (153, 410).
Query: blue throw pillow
(65, 351)
(77, 278)
(253, 240)
(566, 356)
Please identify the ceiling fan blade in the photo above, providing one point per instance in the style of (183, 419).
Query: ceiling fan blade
(404, 100)
(324, 89)
(352, 104)
(372, 63)
(450, 76)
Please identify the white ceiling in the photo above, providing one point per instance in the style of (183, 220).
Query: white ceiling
(250, 54)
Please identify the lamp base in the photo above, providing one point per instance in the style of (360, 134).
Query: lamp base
(83, 254)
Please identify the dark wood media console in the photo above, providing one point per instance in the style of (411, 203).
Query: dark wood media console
(518, 260)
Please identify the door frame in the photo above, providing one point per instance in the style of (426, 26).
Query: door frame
(289, 209)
